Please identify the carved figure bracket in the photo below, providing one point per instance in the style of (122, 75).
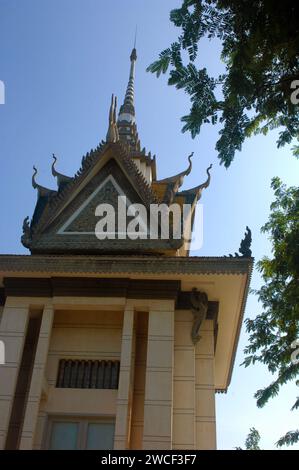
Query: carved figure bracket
(199, 307)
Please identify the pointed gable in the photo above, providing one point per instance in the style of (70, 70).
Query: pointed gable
(83, 219)
(68, 222)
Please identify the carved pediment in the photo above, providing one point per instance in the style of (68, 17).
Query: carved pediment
(75, 228)
(83, 220)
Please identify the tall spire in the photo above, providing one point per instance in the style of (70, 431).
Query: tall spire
(127, 109)
(126, 125)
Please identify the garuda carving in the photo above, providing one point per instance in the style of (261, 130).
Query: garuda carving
(246, 244)
(199, 307)
(244, 250)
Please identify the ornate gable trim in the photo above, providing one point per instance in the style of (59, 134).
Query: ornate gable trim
(119, 152)
(63, 229)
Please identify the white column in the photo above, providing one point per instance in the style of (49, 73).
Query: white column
(158, 403)
(126, 378)
(12, 332)
(35, 391)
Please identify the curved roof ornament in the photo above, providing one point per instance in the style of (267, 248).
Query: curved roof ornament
(206, 184)
(179, 178)
(188, 171)
(61, 179)
(54, 172)
(196, 191)
(34, 183)
(42, 191)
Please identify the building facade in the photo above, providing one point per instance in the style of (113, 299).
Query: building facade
(116, 342)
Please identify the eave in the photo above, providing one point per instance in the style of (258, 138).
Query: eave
(225, 280)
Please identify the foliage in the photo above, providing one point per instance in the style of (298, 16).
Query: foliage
(252, 440)
(260, 43)
(272, 332)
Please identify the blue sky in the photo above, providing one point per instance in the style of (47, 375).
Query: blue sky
(60, 61)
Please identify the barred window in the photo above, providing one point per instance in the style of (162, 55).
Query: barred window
(87, 374)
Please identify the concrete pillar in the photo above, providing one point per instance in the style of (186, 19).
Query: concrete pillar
(184, 383)
(139, 381)
(158, 403)
(205, 389)
(126, 379)
(35, 391)
(12, 332)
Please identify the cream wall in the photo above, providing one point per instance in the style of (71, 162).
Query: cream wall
(79, 334)
(98, 334)
(90, 334)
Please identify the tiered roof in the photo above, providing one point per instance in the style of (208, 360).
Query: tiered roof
(136, 171)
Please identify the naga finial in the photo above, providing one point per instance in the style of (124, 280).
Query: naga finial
(54, 172)
(178, 179)
(197, 190)
(61, 179)
(206, 183)
(41, 190)
(188, 171)
(34, 183)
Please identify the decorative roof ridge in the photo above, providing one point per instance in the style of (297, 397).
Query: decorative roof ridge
(103, 264)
